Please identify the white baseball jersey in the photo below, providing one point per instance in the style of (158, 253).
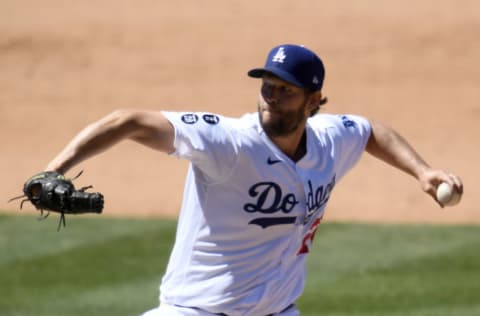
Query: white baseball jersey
(249, 213)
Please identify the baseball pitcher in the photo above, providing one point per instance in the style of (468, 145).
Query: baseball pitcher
(257, 186)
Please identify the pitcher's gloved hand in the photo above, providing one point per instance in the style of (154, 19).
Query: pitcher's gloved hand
(51, 191)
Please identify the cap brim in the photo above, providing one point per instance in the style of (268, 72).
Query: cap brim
(256, 73)
(259, 72)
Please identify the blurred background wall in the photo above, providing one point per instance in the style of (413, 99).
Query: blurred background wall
(412, 64)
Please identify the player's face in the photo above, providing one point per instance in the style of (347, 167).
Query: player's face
(282, 107)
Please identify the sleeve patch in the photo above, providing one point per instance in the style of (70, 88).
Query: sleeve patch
(211, 119)
(348, 123)
(190, 118)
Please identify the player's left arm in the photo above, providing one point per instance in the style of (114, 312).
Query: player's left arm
(386, 144)
(149, 128)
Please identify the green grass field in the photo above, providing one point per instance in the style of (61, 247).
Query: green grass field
(104, 266)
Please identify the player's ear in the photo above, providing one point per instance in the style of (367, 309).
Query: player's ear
(316, 99)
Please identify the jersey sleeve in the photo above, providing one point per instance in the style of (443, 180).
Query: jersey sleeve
(206, 141)
(350, 134)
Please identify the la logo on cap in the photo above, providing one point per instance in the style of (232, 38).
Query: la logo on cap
(280, 56)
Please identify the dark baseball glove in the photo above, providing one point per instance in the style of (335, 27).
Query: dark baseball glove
(52, 192)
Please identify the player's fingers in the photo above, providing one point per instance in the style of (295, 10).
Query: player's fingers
(451, 179)
(430, 187)
(456, 183)
(432, 179)
(433, 193)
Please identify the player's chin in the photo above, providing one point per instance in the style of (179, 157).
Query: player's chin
(267, 118)
(272, 125)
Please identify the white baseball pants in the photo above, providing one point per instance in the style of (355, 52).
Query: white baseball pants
(169, 310)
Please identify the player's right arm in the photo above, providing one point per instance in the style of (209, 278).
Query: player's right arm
(389, 146)
(149, 128)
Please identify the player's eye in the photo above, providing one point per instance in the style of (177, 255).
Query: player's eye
(267, 89)
(285, 90)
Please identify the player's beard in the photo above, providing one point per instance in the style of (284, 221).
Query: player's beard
(282, 124)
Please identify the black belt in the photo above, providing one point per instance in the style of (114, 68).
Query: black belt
(283, 310)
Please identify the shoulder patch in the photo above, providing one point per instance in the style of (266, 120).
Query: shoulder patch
(189, 118)
(211, 119)
(348, 122)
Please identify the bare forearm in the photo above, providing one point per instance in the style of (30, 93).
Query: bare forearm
(389, 146)
(149, 128)
(93, 139)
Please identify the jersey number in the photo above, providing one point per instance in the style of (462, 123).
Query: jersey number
(308, 239)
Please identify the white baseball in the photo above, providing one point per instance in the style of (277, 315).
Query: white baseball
(447, 195)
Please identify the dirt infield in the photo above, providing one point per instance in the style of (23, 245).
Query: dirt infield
(64, 64)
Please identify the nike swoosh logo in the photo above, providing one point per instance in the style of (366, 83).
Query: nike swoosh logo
(271, 161)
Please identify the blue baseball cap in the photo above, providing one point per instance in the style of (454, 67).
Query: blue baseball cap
(294, 64)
